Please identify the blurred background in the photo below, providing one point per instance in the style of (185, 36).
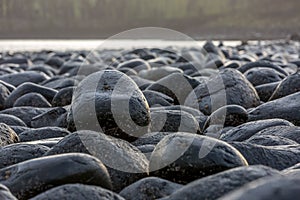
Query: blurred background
(97, 19)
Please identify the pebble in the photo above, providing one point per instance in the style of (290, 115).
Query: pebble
(285, 108)
(149, 188)
(16, 153)
(215, 186)
(185, 157)
(78, 192)
(29, 178)
(275, 188)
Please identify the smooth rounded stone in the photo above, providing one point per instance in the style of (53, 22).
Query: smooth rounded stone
(277, 157)
(8, 86)
(217, 185)
(17, 79)
(173, 121)
(115, 106)
(55, 61)
(125, 163)
(25, 113)
(30, 178)
(4, 93)
(14, 60)
(7, 135)
(149, 188)
(6, 194)
(287, 86)
(50, 142)
(61, 83)
(157, 99)
(20, 129)
(63, 97)
(288, 132)
(49, 71)
(261, 75)
(178, 92)
(141, 82)
(128, 71)
(264, 64)
(270, 140)
(16, 153)
(227, 88)
(247, 130)
(26, 88)
(231, 115)
(151, 138)
(68, 66)
(11, 120)
(185, 157)
(54, 117)
(32, 99)
(265, 91)
(275, 188)
(155, 74)
(285, 108)
(43, 133)
(136, 64)
(78, 192)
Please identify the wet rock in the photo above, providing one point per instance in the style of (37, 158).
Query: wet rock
(270, 140)
(54, 117)
(61, 83)
(260, 75)
(290, 132)
(149, 188)
(26, 88)
(25, 113)
(228, 87)
(157, 99)
(264, 64)
(287, 86)
(115, 103)
(185, 157)
(178, 92)
(245, 131)
(231, 115)
(11, 120)
(55, 61)
(22, 77)
(136, 64)
(155, 74)
(32, 99)
(63, 97)
(277, 157)
(215, 186)
(265, 91)
(6, 194)
(43, 174)
(285, 108)
(4, 93)
(125, 163)
(16, 153)
(78, 192)
(275, 188)
(7, 135)
(43, 133)
(173, 121)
